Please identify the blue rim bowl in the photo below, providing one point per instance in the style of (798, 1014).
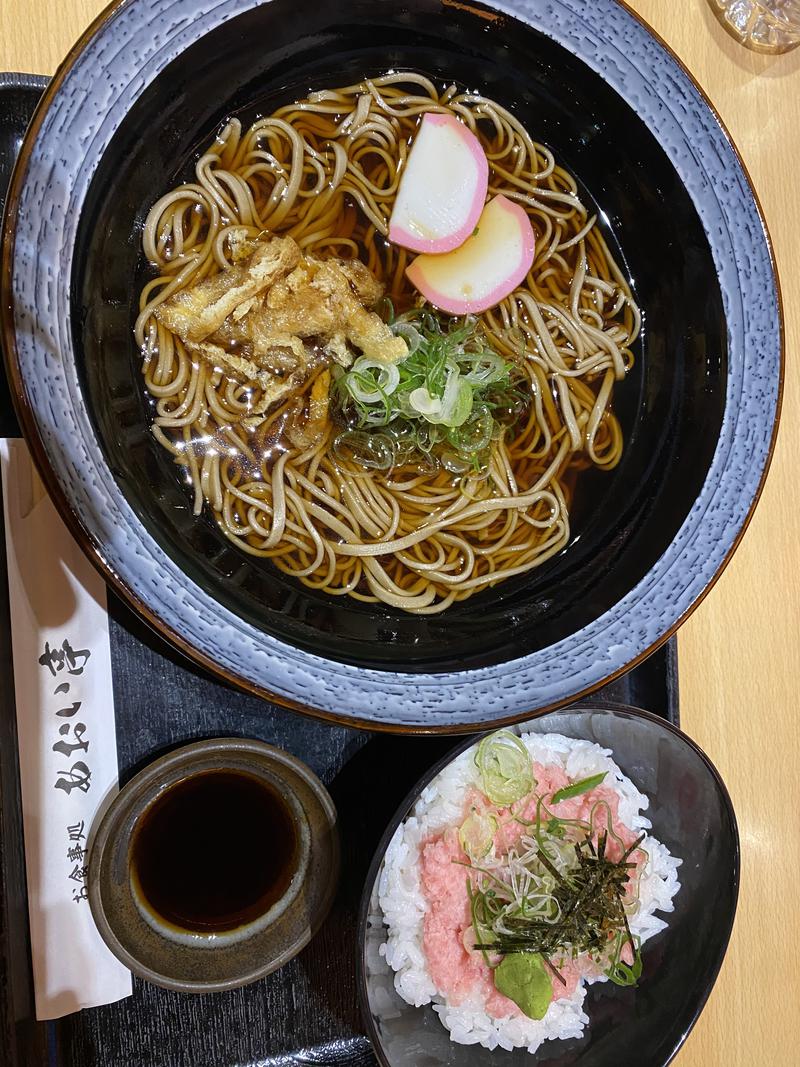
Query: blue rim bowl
(121, 121)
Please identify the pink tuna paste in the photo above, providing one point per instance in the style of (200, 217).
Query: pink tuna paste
(460, 973)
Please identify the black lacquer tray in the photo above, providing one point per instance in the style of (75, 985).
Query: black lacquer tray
(306, 1013)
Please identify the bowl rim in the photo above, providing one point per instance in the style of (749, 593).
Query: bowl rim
(143, 789)
(97, 551)
(589, 706)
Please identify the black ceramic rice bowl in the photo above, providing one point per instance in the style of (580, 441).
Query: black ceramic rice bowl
(645, 1024)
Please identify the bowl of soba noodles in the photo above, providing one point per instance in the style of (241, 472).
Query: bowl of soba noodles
(417, 366)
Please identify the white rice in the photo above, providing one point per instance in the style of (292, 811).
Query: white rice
(441, 805)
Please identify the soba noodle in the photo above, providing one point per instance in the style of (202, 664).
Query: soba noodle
(325, 171)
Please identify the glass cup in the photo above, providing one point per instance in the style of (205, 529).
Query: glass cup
(763, 25)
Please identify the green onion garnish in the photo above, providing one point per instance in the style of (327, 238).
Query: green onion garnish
(578, 788)
(505, 768)
(443, 404)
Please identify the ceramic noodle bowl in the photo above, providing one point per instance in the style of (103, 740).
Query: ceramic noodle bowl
(148, 90)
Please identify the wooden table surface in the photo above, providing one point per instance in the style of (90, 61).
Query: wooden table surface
(739, 661)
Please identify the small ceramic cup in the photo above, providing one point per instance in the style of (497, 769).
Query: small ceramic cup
(204, 962)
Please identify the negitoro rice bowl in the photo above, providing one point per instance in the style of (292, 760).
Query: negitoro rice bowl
(523, 873)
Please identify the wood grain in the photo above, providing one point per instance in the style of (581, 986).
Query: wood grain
(739, 660)
(738, 654)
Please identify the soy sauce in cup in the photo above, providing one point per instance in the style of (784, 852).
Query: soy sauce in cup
(214, 852)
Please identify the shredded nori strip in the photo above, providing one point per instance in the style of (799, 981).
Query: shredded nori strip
(590, 898)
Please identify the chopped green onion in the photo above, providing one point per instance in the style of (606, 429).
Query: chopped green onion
(626, 974)
(461, 407)
(578, 788)
(371, 380)
(423, 403)
(410, 334)
(505, 768)
(448, 398)
(374, 451)
(476, 834)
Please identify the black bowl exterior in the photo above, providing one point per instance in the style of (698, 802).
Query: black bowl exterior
(692, 815)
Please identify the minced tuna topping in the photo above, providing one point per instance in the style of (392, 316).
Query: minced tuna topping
(524, 873)
(460, 971)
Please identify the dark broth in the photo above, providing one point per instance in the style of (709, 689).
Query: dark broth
(215, 851)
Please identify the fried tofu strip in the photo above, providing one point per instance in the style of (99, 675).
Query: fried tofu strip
(272, 387)
(254, 321)
(318, 300)
(309, 432)
(199, 311)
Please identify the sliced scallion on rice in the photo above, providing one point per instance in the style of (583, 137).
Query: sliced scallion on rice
(505, 768)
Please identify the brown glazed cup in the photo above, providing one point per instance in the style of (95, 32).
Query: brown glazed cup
(208, 962)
